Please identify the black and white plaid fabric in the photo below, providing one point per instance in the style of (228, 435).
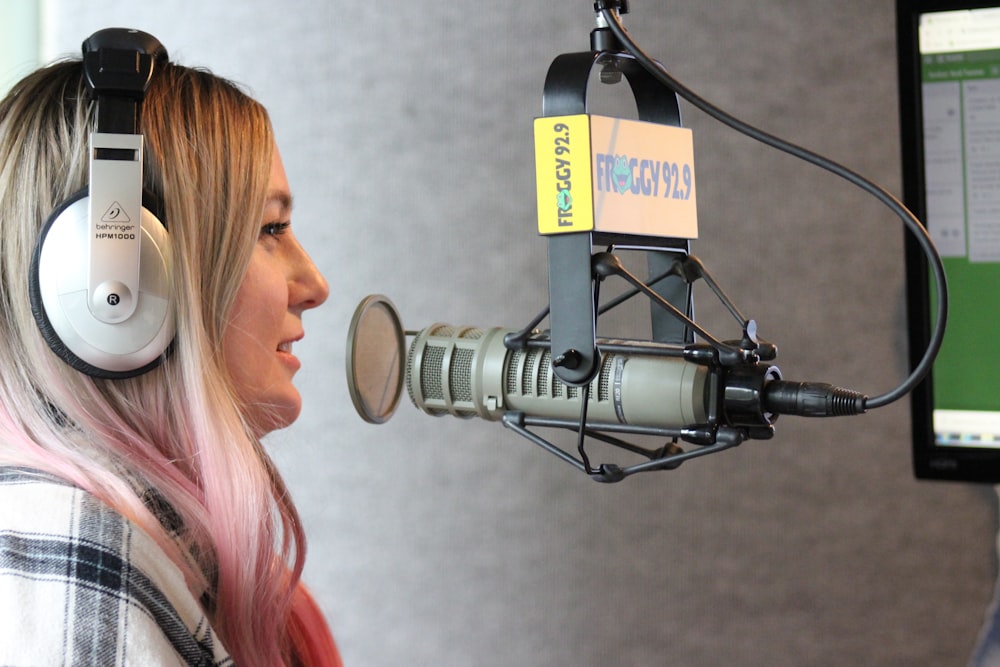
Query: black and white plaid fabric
(81, 585)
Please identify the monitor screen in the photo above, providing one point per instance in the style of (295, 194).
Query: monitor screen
(949, 88)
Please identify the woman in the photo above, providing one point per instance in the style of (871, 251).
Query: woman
(141, 520)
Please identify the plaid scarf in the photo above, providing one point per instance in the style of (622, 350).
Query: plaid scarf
(82, 585)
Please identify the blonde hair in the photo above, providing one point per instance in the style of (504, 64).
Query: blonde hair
(179, 429)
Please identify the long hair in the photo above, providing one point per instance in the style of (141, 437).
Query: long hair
(178, 430)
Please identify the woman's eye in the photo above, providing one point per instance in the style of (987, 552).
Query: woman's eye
(274, 228)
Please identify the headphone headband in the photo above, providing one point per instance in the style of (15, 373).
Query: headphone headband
(118, 64)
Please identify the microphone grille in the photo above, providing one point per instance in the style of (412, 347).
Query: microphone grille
(530, 374)
(431, 382)
(441, 359)
(460, 377)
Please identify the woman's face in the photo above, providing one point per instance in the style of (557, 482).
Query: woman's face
(280, 284)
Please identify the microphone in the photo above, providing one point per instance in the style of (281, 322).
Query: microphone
(641, 387)
(469, 371)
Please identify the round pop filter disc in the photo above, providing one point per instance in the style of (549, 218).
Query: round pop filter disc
(375, 355)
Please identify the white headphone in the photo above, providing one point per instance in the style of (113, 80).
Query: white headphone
(100, 274)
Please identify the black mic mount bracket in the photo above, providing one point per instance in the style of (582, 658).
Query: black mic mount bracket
(747, 387)
(571, 280)
(575, 272)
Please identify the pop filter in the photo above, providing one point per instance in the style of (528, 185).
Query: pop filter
(376, 346)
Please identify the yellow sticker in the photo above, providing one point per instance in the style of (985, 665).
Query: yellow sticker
(563, 174)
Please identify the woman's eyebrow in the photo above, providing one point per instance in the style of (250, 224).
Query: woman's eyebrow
(282, 197)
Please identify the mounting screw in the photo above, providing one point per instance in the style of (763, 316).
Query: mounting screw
(569, 359)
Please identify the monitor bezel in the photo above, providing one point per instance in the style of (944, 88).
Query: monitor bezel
(930, 460)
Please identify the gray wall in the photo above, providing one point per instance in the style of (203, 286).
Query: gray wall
(406, 132)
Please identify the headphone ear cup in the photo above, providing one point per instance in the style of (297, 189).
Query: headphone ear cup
(60, 302)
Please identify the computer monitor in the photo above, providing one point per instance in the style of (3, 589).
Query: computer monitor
(949, 94)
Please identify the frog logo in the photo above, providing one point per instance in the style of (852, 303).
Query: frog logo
(621, 174)
(564, 200)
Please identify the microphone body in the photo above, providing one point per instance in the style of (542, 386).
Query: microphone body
(469, 371)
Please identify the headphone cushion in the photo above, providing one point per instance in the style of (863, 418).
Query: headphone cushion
(58, 290)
